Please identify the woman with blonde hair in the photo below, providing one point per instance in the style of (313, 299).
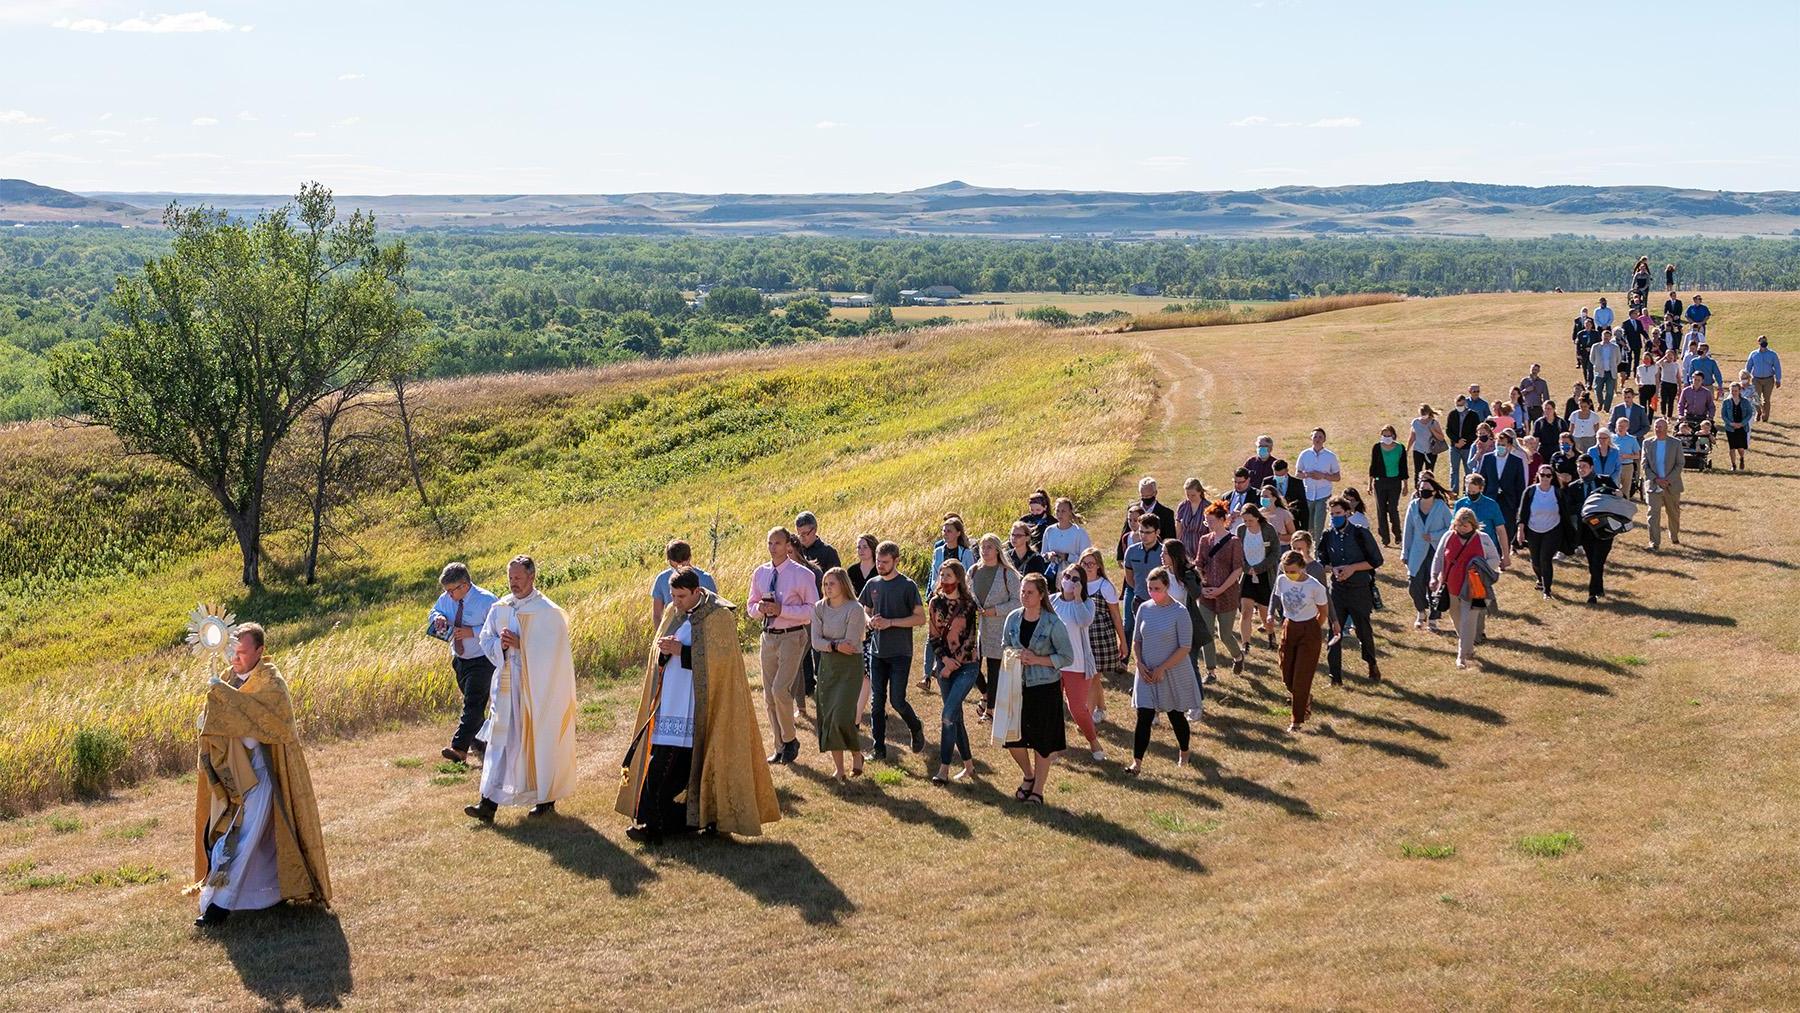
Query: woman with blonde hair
(1065, 540)
(839, 627)
(995, 585)
(1452, 573)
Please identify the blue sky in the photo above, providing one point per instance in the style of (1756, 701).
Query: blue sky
(448, 97)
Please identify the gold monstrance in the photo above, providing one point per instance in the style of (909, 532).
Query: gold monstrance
(211, 633)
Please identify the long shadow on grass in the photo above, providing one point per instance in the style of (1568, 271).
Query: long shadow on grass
(1591, 688)
(775, 873)
(905, 810)
(1562, 655)
(1447, 705)
(1245, 788)
(581, 849)
(1624, 607)
(1394, 749)
(1089, 826)
(290, 954)
(1739, 557)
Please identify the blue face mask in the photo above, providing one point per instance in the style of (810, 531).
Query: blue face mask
(1262, 452)
(1267, 502)
(1339, 521)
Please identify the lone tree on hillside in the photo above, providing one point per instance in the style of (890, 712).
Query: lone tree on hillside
(225, 343)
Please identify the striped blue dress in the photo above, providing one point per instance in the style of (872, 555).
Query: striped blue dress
(1163, 630)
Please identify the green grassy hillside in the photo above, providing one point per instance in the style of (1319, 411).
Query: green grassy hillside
(592, 472)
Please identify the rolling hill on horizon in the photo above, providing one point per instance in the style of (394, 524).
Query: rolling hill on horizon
(956, 208)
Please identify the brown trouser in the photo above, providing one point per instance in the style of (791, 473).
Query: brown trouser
(1300, 644)
(781, 654)
(1765, 392)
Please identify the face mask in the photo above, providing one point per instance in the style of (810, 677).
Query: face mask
(1293, 575)
(1425, 494)
(1147, 500)
(1339, 521)
(1071, 589)
(1386, 440)
(1267, 502)
(1262, 452)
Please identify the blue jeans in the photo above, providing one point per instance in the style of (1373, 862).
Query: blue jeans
(887, 684)
(1316, 514)
(1459, 463)
(956, 734)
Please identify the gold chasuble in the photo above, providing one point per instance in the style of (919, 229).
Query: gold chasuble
(728, 781)
(260, 709)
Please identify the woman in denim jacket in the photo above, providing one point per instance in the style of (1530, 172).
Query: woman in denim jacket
(1043, 640)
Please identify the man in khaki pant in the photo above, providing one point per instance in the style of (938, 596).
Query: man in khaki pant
(1661, 461)
(783, 593)
(1765, 375)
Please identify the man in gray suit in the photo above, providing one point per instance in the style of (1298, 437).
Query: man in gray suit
(1661, 464)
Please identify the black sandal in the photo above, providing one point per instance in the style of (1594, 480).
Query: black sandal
(1034, 799)
(1024, 790)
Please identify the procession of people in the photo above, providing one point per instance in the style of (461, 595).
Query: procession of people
(1025, 630)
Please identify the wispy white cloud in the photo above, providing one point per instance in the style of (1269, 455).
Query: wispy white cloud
(18, 117)
(206, 121)
(246, 116)
(1033, 125)
(350, 76)
(1165, 161)
(305, 135)
(159, 24)
(349, 121)
(827, 125)
(1328, 123)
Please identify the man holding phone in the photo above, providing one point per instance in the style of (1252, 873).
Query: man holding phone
(456, 618)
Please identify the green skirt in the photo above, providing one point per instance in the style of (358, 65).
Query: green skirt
(839, 684)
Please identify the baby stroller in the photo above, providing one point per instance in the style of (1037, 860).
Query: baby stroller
(1696, 436)
(1608, 515)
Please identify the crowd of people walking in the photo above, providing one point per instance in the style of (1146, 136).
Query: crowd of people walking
(1026, 632)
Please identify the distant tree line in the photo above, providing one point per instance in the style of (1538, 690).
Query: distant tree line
(509, 301)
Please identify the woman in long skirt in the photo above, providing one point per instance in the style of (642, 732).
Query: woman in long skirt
(838, 629)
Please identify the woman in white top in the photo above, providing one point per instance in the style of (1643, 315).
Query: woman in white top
(1648, 375)
(1076, 610)
(1304, 603)
(1066, 540)
(1107, 635)
(1584, 424)
(1669, 373)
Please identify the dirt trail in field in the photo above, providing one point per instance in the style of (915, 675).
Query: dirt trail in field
(1274, 853)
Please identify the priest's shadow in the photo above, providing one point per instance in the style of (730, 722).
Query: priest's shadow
(574, 845)
(775, 873)
(290, 954)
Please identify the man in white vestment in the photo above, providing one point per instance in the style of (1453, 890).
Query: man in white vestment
(531, 745)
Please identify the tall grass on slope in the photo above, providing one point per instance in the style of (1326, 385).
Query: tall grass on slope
(591, 473)
(1258, 314)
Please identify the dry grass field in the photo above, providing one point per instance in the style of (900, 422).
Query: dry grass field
(1600, 817)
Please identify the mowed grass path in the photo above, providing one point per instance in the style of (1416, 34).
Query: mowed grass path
(1659, 731)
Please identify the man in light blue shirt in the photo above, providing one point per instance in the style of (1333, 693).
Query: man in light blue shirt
(681, 557)
(1765, 375)
(1477, 405)
(1707, 367)
(457, 618)
(1629, 448)
(1603, 317)
(1604, 358)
